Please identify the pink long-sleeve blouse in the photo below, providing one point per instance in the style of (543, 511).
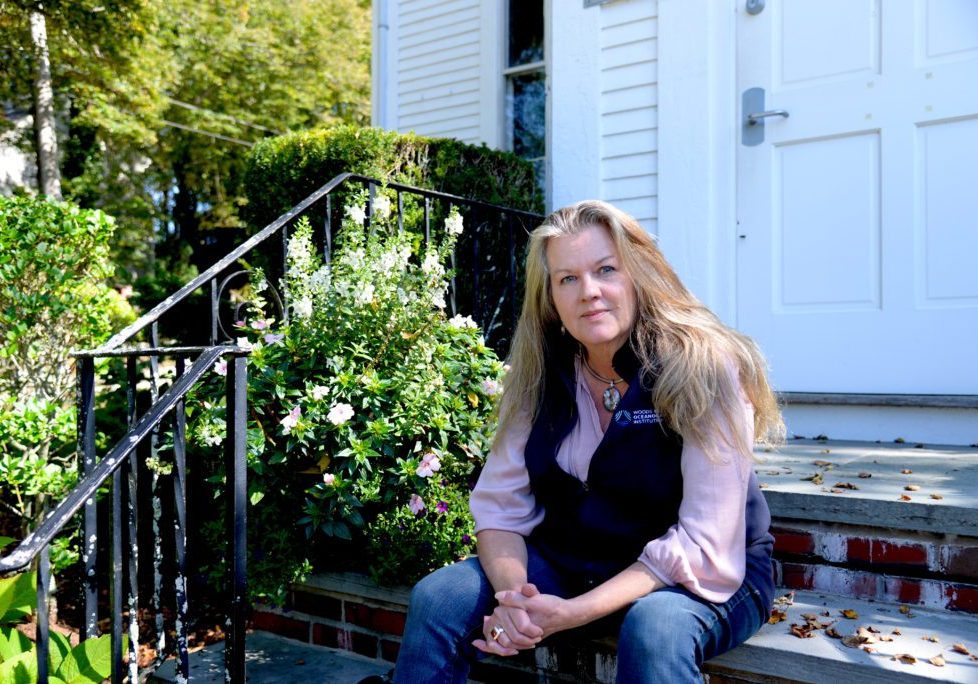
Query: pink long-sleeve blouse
(705, 551)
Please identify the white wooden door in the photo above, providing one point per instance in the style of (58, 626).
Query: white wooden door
(857, 247)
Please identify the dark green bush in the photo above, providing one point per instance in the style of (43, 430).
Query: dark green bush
(282, 171)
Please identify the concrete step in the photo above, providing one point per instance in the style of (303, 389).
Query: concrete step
(273, 659)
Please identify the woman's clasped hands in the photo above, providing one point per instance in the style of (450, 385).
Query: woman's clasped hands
(521, 620)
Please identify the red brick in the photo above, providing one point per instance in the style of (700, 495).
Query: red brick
(316, 604)
(325, 635)
(962, 597)
(902, 589)
(388, 621)
(357, 614)
(389, 650)
(893, 553)
(793, 576)
(963, 562)
(281, 625)
(858, 549)
(793, 542)
(364, 644)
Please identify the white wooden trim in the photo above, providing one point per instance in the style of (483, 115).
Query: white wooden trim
(573, 129)
(491, 83)
(697, 147)
(383, 112)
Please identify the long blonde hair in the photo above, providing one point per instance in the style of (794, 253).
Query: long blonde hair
(694, 358)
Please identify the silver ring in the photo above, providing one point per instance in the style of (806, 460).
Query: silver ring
(496, 632)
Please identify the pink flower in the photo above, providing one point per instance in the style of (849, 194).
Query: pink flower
(221, 367)
(125, 291)
(291, 420)
(339, 414)
(260, 324)
(272, 338)
(491, 387)
(329, 479)
(442, 507)
(429, 465)
(416, 504)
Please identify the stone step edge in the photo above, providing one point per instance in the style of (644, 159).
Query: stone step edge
(775, 653)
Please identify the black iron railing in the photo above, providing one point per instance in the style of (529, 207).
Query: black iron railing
(487, 255)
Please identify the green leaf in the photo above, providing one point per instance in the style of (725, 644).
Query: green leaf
(5, 540)
(13, 643)
(21, 669)
(89, 662)
(17, 597)
(58, 649)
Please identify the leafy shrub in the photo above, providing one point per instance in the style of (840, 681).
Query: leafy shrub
(284, 170)
(370, 403)
(54, 263)
(90, 662)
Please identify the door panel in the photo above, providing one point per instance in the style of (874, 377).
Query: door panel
(858, 214)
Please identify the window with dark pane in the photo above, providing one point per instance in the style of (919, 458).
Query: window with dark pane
(526, 84)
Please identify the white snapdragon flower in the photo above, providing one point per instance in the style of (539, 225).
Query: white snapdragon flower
(357, 213)
(365, 295)
(389, 261)
(453, 224)
(303, 307)
(382, 206)
(438, 299)
(461, 322)
(431, 265)
(339, 414)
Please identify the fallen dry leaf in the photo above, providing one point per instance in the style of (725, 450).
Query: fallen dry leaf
(961, 648)
(762, 485)
(937, 660)
(936, 496)
(865, 475)
(825, 613)
(802, 631)
(906, 471)
(869, 649)
(836, 491)
(826, 451)
(905, 658)
(774, 472)
(814, 479)
(974, 657)
(846, 485)
(904, 497)
(931, 638)
(849, 614)
(897, 631)
(912, 488)
(820, 463)
(873, 630)
(809, 617)
(832, 632)
(852, 641)
(776, 617)
(904, 609)
(786, 600)
(885, 637)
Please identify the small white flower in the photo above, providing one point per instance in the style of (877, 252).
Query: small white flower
(221, 367)
(274, 338)
(429, 465)
(453, 224)
(491, 387)
(461, 322)
(339, 414)
(364, 295)
(382, 206)
(303, 307)
(416, 504)
(245, 344)
(356, 213)
(329, 479)
(319, 392)
(438, 299)
(431, 264)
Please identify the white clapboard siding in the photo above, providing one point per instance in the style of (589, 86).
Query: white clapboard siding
(628, 108)
(437, 63)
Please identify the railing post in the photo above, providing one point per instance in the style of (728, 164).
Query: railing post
(43, 638)
(180, 531)
(85, 400)
(235, 446)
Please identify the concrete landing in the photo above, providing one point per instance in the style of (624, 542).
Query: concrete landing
(272, 659)
(922, 634)
(942, 495)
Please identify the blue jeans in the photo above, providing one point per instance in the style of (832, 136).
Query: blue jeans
(663, 637)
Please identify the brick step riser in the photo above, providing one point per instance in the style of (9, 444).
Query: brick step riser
(936, 571)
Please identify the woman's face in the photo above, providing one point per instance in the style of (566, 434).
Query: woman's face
(594, 296)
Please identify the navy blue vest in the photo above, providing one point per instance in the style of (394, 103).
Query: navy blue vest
(595, 529)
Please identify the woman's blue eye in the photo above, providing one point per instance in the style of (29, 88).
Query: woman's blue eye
(567, 279)
(606, 269)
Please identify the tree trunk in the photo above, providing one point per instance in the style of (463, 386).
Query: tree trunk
(48, 175)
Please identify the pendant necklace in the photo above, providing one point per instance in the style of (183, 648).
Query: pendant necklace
(611, 397)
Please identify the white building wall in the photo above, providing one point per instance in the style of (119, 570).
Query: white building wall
(432, 56)
(627, 95)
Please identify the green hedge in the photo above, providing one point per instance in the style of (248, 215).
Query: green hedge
(282, 171)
